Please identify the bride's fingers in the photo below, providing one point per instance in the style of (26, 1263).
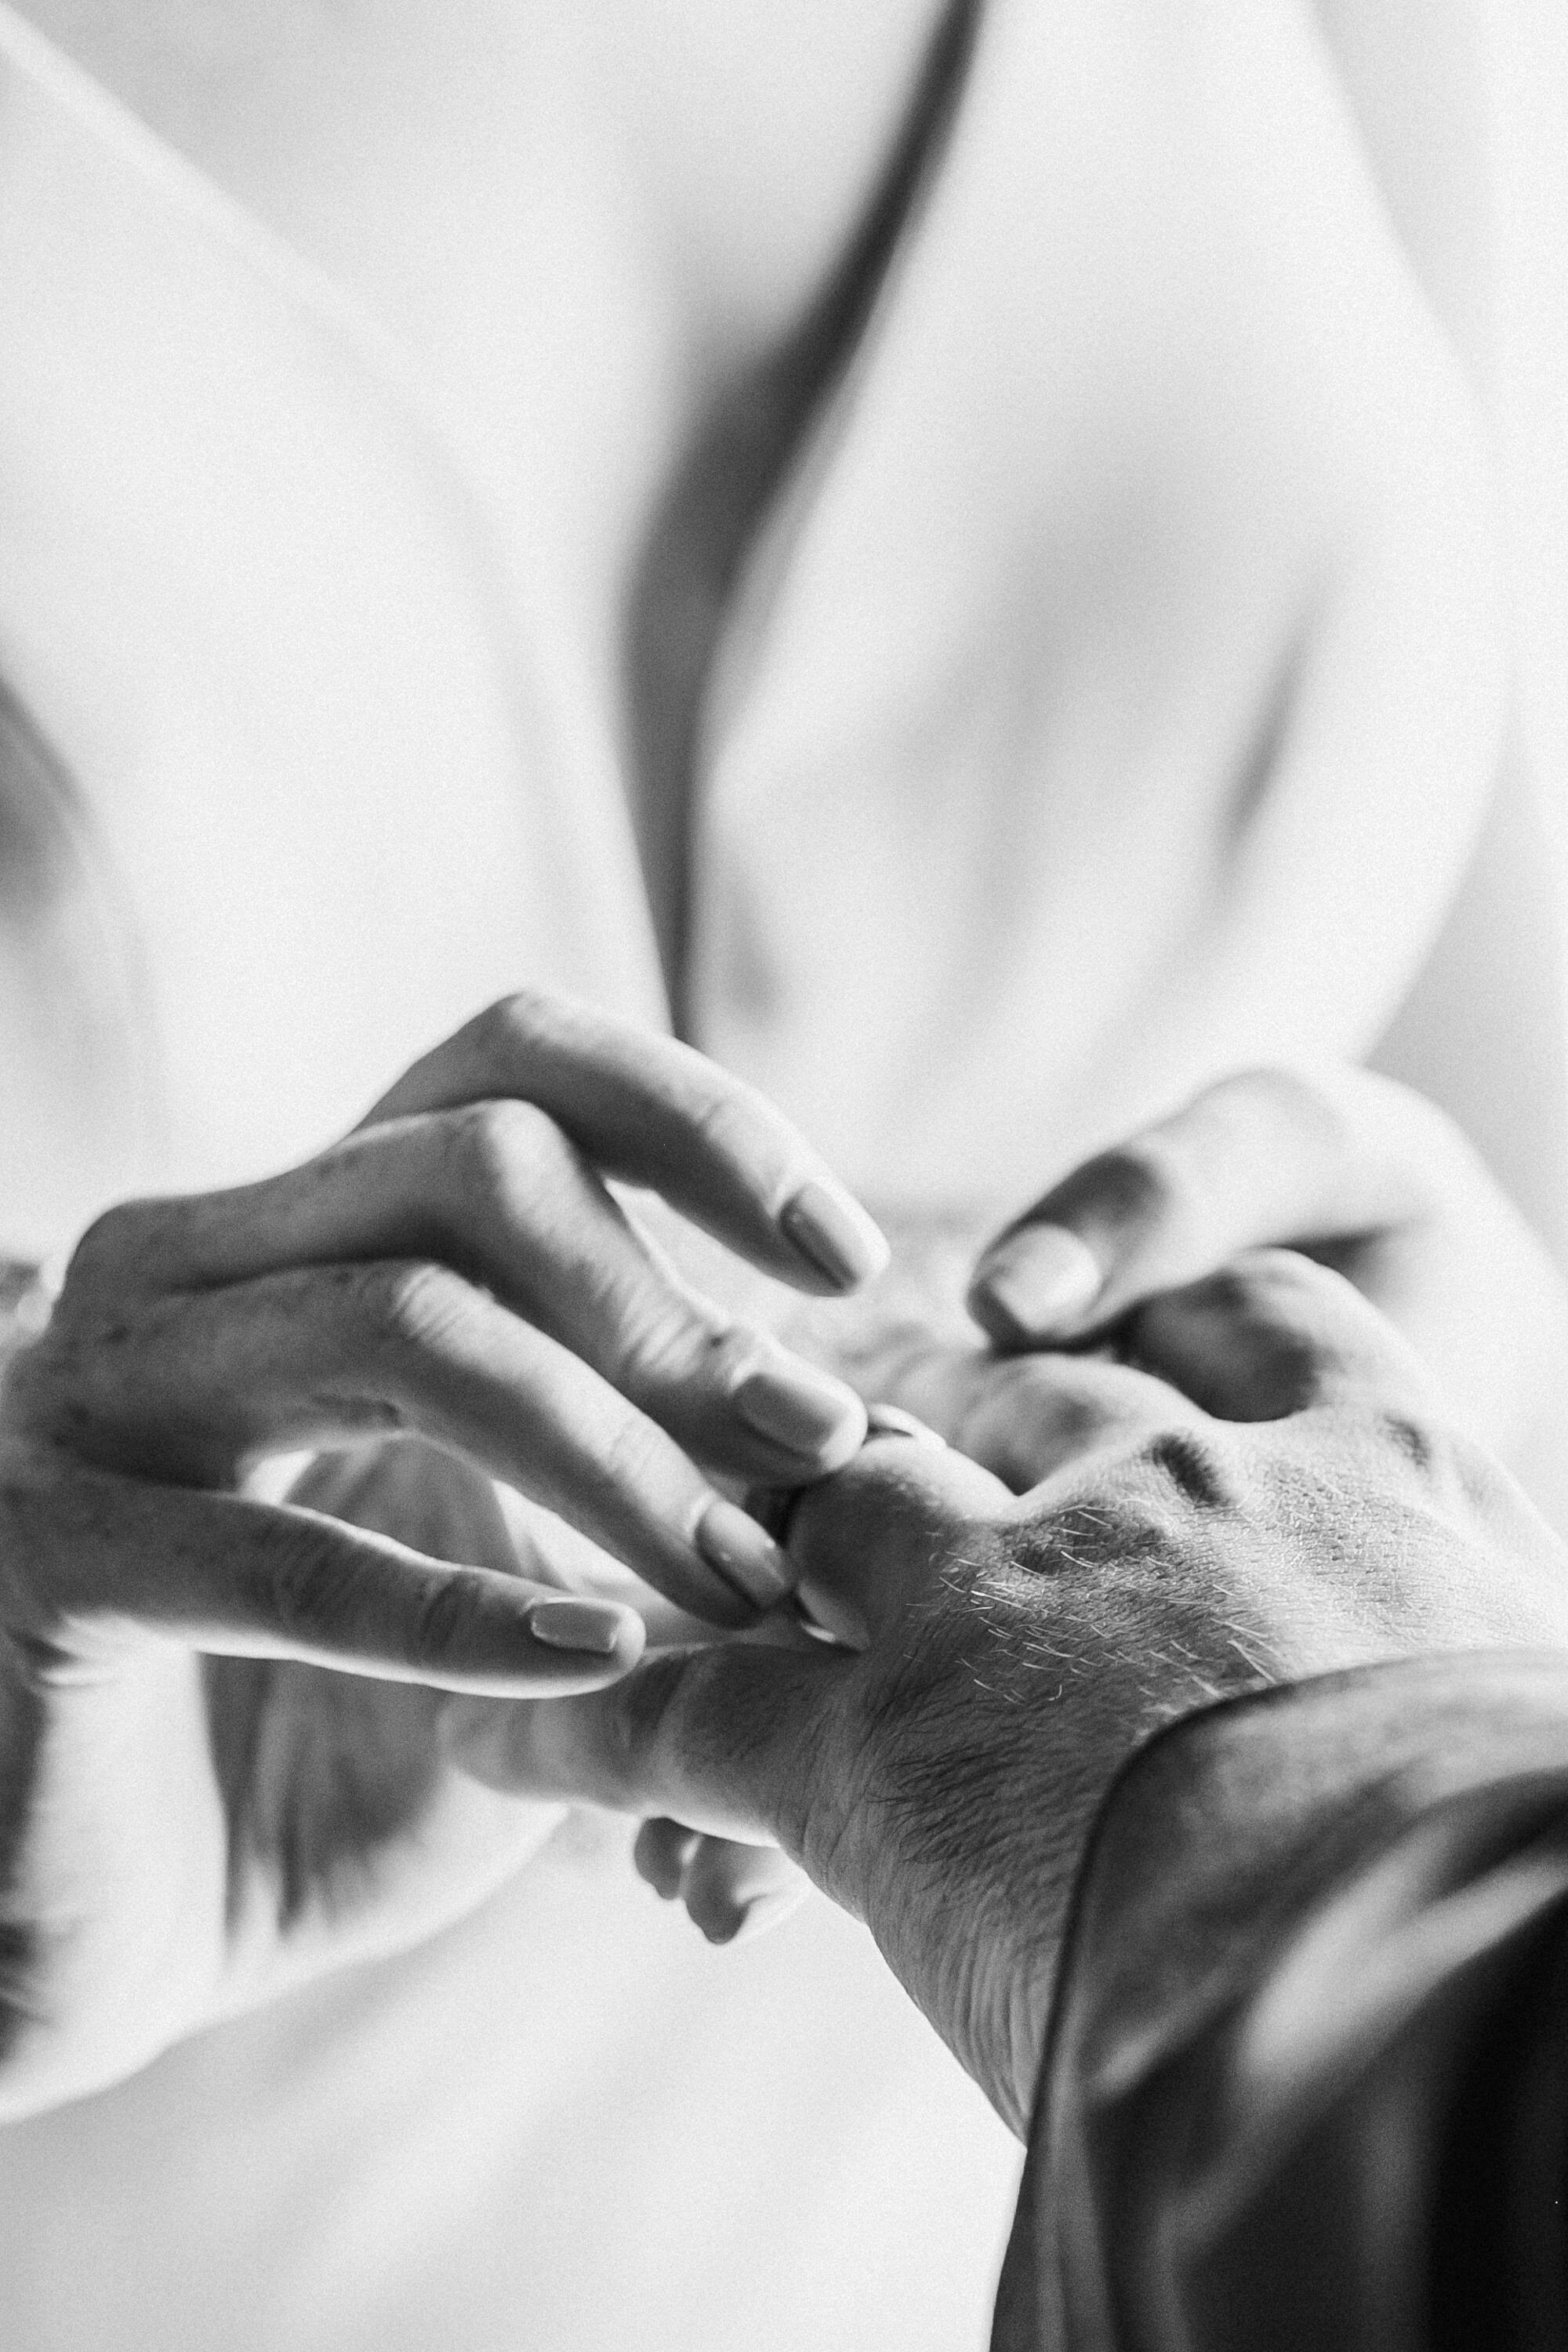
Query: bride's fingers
(499, 1193)
(197, 1383)
(427, 1498)
(116, 1558)
(1266, 1157)
(653, 1112)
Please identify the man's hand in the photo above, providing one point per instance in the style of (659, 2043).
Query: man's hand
(1309, 1508)
(1350, 1168)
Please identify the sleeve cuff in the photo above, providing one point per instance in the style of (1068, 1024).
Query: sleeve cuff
(1297, 1914)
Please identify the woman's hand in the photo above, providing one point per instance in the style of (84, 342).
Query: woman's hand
(456, 1269)
(1348, 1167)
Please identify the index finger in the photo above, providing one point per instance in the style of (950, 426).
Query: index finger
(654, 1112)
(244, 1578)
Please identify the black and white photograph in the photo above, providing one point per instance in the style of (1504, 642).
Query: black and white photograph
(783, 1175)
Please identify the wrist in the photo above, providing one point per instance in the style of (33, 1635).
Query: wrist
(978, 1955)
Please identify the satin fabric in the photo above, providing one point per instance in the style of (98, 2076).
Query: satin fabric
(1107, 654)
(1306, 2077)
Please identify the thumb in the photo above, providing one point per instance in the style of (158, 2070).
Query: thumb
(244, 1578)
(1274, 1334)
(1266, 1156)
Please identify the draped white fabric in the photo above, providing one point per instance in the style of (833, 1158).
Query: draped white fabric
(1109, 701)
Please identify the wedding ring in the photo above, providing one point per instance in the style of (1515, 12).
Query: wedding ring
(773, 1506)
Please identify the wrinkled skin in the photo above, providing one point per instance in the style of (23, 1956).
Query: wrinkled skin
(1351, 1168)
(334, 1813)
(223, 1717)
(1304, 1507)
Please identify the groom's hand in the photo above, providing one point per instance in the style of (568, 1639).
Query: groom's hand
(1308, 1509)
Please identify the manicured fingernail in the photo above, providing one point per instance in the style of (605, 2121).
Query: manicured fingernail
(576, 1625)
(745, 1554)
(1035, 1282)
(835, 1235)
(800, 1409)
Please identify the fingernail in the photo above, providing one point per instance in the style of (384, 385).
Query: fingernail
(575, 1625)
(745, 1554)
(835, 1235)
(801, 1411)
(1037, 1280)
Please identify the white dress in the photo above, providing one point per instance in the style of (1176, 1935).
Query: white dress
(1108, 700)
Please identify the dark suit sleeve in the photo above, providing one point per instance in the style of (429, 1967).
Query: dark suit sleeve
(1307, 2081)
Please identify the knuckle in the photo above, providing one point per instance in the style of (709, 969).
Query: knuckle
(643, 1714)
(726, 1119)
(1195, 1465)
(1477, 1480)
(1413, 1442)
(407, 1304)
(1141, 1507)
(1144, 1182)
(306, 1586)
(512, 1022)
(444, 1619)
(1405, 1440)
(1390, 1456)
(502, 1150)
(660, 1342)
(636, 1456)
(113, 1248)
